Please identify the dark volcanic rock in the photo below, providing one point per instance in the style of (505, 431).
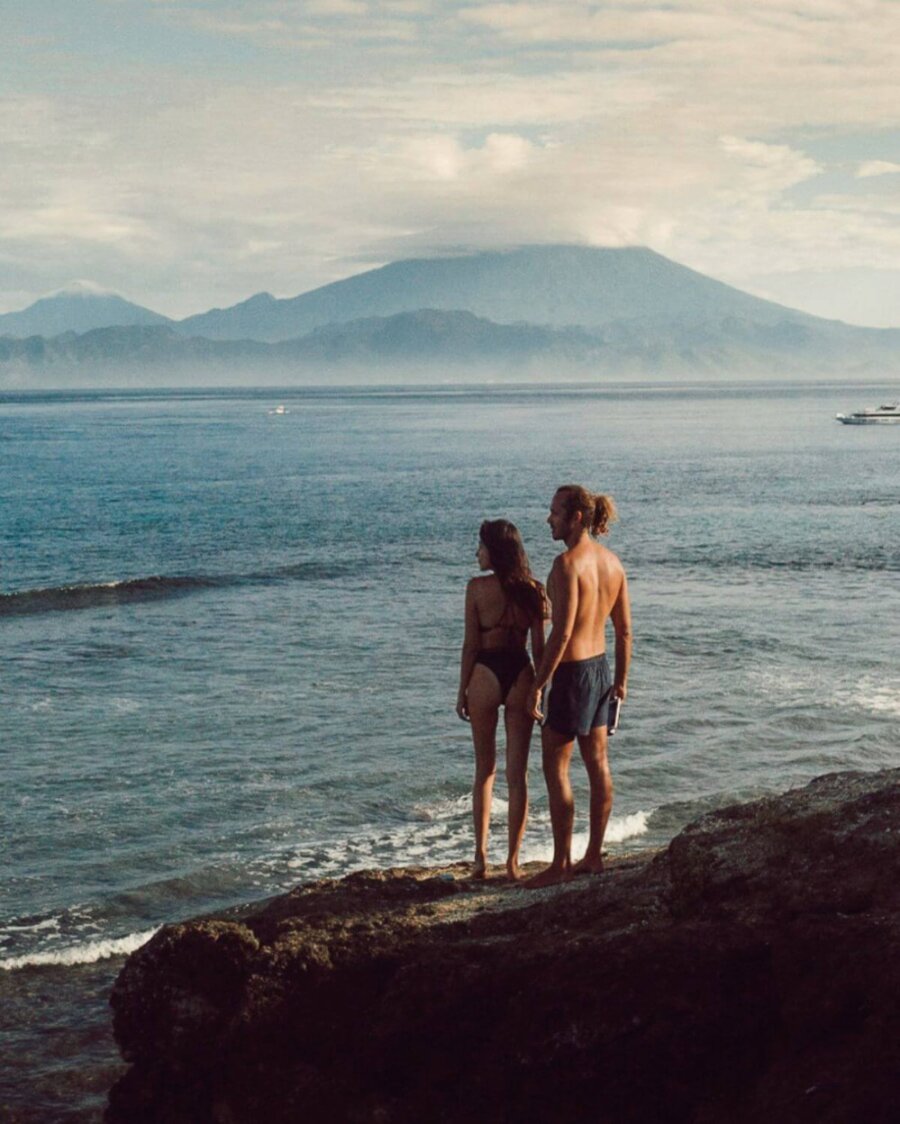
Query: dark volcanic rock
(747, 973)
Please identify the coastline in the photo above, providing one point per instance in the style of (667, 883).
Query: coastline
(815, 859)
(714, 978)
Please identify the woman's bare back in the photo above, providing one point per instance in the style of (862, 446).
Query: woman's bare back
(502, 624)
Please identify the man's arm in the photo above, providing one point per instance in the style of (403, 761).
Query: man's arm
(563, 589)
(621, 619)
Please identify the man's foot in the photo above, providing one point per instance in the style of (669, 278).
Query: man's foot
(588, 865)
(479, 869)
(551, 876)
(513, 873)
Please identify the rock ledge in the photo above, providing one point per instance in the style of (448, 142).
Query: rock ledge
(747, 973)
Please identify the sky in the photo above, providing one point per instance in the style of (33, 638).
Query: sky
(190, 153)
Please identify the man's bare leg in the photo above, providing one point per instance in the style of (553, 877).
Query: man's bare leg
(594, 754)
(557, 753)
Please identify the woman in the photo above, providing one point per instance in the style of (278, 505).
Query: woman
(501, 609)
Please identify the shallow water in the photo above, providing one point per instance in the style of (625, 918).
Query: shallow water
(231, 637)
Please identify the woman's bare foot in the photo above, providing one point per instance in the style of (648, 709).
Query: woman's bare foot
(551, 876)
(513, 874)
(479, 868)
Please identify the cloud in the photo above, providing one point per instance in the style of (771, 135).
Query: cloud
(284, 25)
(876, 168)
(444, 158)
(768, 169)
(336, 8)
(768, 64)
(339, 133)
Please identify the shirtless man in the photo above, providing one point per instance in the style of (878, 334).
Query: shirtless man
(586, 586)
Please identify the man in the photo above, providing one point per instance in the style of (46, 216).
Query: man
(586, 586)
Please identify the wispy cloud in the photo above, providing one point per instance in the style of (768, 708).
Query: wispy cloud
(766, 170)
(877, 168)
(333, 133)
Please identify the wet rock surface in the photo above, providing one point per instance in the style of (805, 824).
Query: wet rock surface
(749, 972)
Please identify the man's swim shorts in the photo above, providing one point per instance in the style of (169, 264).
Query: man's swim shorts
(580, 693)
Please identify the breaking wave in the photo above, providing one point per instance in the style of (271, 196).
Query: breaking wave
(154, 588)
(65, 597)
(88, 953)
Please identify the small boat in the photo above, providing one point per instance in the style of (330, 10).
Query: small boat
(279, 410)
(872, 415)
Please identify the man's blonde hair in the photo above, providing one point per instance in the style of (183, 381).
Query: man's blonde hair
(597, 510)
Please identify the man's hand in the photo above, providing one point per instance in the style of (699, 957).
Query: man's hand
(620, 691)
(533, 704)
(462, 707)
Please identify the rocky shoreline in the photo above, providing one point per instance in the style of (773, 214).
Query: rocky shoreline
(748, 972)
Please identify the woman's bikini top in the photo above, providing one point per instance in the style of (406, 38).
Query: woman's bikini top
(519, 633)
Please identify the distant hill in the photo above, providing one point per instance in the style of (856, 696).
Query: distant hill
(435, 336)
(437, 345)
(550, 286)
(79, 307)
(377, 348)
(123, 356)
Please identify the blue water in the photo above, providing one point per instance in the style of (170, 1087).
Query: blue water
(230, 637)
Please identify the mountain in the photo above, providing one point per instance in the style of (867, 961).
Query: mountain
(430, 345)
(552, 286)
(540, 313)
(79, 307)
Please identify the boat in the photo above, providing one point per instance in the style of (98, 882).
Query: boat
(872, 415)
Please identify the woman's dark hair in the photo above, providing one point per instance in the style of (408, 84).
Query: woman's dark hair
(597, 510)
(509, 562)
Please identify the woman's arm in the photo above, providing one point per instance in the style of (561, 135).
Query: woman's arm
(469, 651)
(537, 630)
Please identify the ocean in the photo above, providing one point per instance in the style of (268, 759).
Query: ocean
(230, 638)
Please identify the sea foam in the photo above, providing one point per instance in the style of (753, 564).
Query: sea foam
(441, 835)
(621, 828)
(88, 953)
(538, 845)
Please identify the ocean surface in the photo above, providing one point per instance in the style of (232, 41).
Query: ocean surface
(230, 642)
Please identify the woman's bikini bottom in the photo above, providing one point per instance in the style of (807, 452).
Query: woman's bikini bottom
(507, 665)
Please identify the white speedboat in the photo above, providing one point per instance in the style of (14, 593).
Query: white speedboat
(872, 415)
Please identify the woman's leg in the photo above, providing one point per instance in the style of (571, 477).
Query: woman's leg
(483, 699)
(519, 725)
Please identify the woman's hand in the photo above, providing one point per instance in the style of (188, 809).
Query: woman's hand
(533, 704)
(462, 707)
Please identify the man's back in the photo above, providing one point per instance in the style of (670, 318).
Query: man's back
(593, 578)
